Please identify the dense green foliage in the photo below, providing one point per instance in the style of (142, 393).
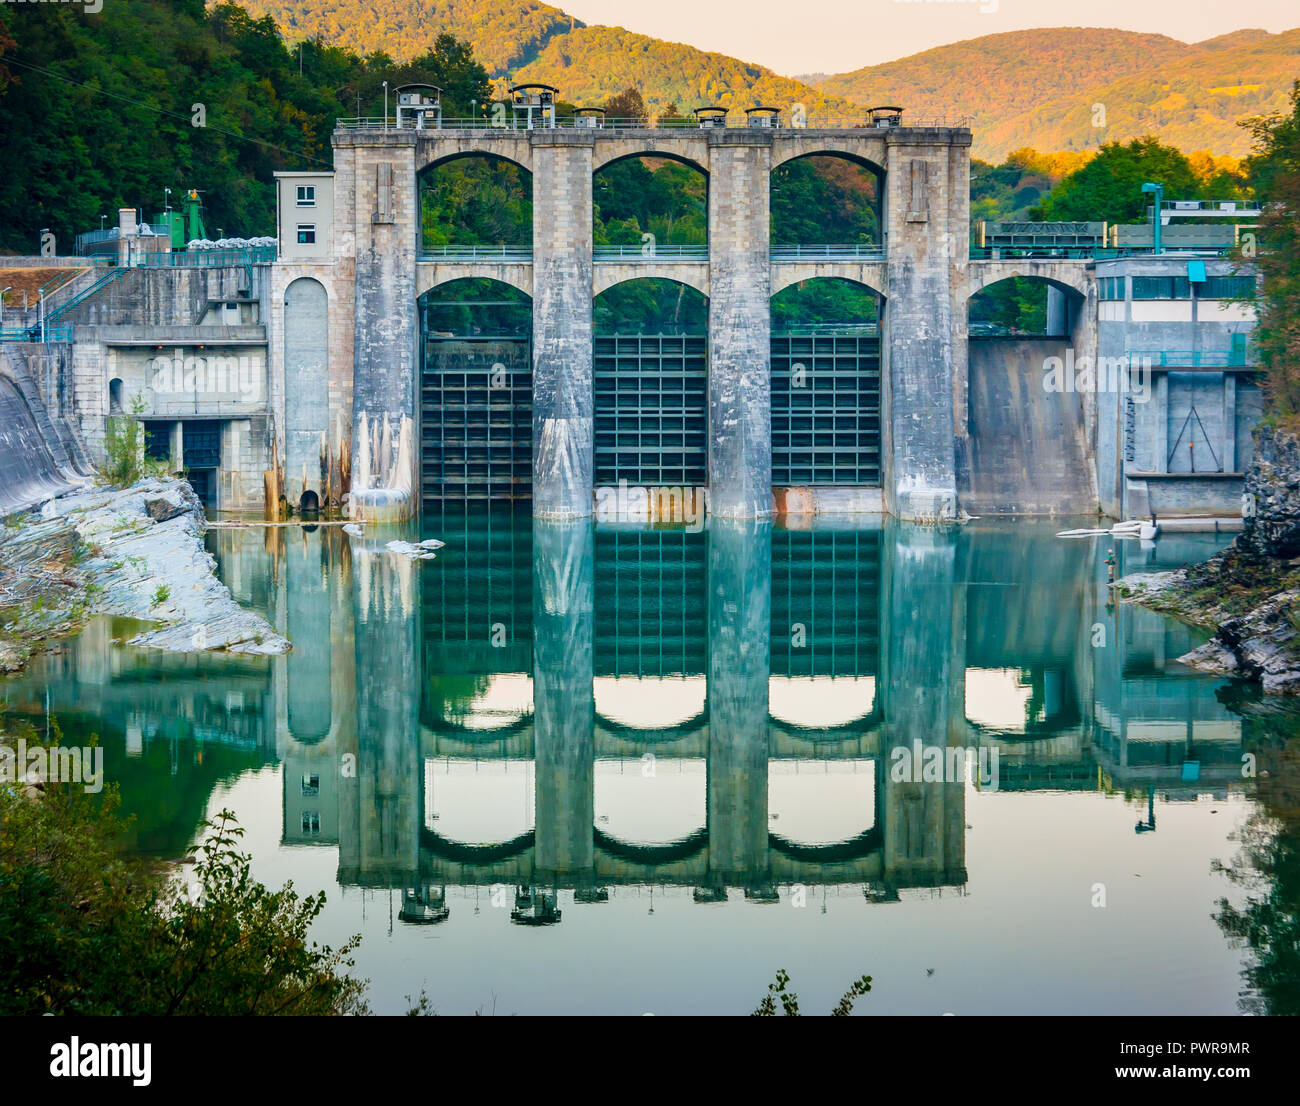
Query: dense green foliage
(1013, 306)
(99, 111)
(477, 201)
(1109, 186)
(824, 200)
(822, 302)
(1275, 170)
(655, 196)
(84, 929)
(651, 306)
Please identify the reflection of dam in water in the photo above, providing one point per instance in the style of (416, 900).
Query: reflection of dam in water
(553, 705)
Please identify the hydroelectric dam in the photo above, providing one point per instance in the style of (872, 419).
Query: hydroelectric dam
(320, 372)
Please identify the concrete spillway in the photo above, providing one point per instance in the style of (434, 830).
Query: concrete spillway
(36, 462)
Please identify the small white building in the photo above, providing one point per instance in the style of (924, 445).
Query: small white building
(305, 207)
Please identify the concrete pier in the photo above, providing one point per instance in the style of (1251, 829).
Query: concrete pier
(562, 352)
(740, 345)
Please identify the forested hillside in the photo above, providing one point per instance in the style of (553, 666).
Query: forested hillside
(1038, 88)
(99, 112)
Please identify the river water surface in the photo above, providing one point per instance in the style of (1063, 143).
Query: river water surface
(573, 770)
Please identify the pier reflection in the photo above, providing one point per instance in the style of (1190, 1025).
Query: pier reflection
(557, 707)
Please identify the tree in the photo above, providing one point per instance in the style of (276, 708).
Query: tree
(1274, 170)
(86, 929)
(1109, 187)
(628, 107)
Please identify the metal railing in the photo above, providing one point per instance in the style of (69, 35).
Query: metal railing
(33, 334)
(865, 252)
(514, 254)
(1089, 253)
(733, 121)
(821, 330)
(1189, 358)
(657, 252)
(201, 259)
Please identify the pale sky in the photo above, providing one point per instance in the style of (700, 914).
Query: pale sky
(832, 36)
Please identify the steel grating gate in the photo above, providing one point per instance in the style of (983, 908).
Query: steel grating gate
(651, 610)
(826, 602)
(825, 409)
(651, 395)
(476, 425)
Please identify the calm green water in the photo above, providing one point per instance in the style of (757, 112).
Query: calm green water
(689, 740)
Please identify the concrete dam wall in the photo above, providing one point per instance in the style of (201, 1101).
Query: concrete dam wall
(38, 459)
(1029, 452)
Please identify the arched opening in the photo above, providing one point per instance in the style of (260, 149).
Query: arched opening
(475, 202)
(1026, 415)
(651, 384)
(476, 398)
(115, 397)
(827, 204)
(309, 503)
(306, 391)
(1023, 307)
(826, 384)
(646, 206)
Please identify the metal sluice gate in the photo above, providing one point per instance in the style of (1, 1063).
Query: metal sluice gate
(651, 412)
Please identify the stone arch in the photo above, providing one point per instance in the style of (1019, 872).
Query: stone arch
(434, 276)
(613, 158)
(519, 154)
(116, 404)
(611, 274)
(488, 170)
(985, 274)
(829, 147)
(306, 389)
(869, 276)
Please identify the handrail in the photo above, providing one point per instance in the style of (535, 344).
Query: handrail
(107, 279)
(1089, 253)
(731, 121)
(33, 334)
(200, 259)
(477, 253)
(655, 252)
(865, 252)
(1190, 358)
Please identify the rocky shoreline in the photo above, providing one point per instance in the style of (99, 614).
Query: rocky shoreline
(1249, 594)
(135, 552)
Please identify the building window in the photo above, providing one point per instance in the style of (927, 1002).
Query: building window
(1226, 288)
(306, 234)
(1161, 288)
(310, 821)
(306, 195)
(1112, 288)
(311, 784)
